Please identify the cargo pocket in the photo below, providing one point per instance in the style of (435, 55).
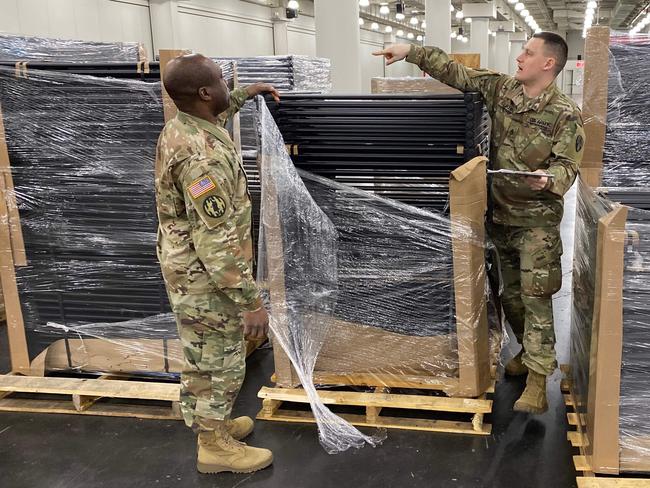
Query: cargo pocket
(541, 264)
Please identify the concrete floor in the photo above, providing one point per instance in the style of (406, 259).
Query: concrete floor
(68, 451)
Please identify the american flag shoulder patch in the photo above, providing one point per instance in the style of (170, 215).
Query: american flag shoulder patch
(201, 186)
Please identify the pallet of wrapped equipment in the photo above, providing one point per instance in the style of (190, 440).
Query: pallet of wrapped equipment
(615, 109)
(371, 292)
(399, 146)
(79, 261)
(17, 48)
(607, 385)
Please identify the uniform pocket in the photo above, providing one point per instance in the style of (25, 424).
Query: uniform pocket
(536, 148)
(541, 265)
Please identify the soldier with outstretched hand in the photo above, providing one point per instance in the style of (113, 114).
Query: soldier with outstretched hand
(535, 128)
(205, 253)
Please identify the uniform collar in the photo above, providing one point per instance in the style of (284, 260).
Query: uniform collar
(217, 131)
(537, 104)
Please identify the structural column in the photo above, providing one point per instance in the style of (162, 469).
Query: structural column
(338, 39)
(502, 46)
(493, 53)
(163, 15)
(481, 14)
(280, 37)
(517, 41)
(437, 14)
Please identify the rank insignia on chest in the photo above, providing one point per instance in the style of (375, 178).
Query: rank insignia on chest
(201, 187)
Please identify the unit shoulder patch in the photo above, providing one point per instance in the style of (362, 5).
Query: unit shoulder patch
(214, 206)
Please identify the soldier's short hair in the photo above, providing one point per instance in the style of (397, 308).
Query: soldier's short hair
(557, 47)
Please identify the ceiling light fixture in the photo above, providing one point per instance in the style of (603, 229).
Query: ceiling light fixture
(384, 10)
(364, 3)
(374, 26)
(293, 5)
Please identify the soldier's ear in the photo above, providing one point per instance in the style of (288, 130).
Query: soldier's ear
(204, 93)
(549, 64)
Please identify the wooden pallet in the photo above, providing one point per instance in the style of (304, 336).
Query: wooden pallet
(468, 413)
(140, 399)
(579, 441)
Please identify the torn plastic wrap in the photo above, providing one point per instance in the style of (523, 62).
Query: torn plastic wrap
(363, 287)
(29, 48)
(611, 326)
(286, 74)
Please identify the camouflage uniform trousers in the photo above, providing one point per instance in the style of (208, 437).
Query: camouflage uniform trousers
(531, 272)
(214, 362)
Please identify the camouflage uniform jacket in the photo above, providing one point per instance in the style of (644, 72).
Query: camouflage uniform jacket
(528, 134)
(204, 214)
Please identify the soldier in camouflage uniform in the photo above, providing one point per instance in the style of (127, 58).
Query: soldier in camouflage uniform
(535, 128)
(205, 253)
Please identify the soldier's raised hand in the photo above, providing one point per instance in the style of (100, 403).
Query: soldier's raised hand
(256, 324)
(394, 53)
(261, 88)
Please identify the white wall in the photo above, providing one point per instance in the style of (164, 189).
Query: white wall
(224, 28)
(302, 36)
(576, 44)
(88, 20)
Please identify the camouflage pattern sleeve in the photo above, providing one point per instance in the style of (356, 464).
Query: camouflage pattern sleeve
(435, 62)
(567, 152)
(208, 189)
(237, 99)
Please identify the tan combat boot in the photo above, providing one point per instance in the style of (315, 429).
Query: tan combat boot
(533, 399)
(219, 452)
(515, 366)
(240, 428)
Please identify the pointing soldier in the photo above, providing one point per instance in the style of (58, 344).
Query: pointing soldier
(535, 128)
(205, 253)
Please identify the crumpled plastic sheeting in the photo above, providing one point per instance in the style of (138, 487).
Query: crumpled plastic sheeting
(27, 48)
(589, 209)
(634, 399)
(312, 227)
(626, 158)
(634, 405)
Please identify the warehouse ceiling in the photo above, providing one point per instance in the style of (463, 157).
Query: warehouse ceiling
(556, 15)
